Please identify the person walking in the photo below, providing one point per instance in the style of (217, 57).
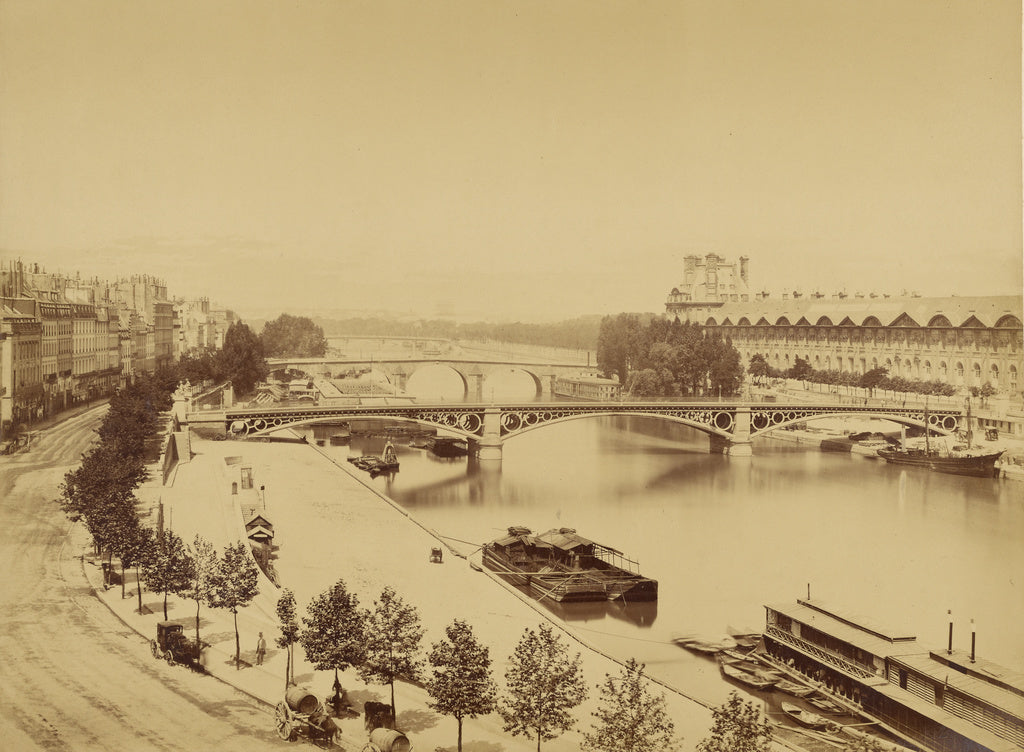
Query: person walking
(261, 650)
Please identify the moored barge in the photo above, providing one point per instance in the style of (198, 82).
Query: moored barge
(938, 701)
(565, 567)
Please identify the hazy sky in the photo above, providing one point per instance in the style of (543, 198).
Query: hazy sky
(512, 159)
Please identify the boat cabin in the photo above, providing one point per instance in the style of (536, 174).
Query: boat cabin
(562, 548)
(939, 701)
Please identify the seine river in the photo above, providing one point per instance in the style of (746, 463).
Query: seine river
(726, 536)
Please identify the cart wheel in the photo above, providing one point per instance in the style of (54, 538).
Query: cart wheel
(169, 657)
(155, 647)
(284, 723)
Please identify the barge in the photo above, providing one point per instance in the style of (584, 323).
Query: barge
(566, 567)
(935, 700)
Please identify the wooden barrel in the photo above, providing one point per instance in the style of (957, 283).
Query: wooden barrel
(301, 700)
(389, 740)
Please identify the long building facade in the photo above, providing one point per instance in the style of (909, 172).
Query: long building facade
(962, 341)
(65, 340)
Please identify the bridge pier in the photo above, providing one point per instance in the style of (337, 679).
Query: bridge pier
(488, 446)
(738, 444)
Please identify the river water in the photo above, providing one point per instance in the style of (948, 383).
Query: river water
(725, 536)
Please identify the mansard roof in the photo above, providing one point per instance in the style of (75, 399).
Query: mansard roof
(1004, 311)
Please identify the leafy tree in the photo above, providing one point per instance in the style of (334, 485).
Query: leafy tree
(461, 685)
(722, 360)
(287, 615)
(618, 345)
(800, 369)
(133, 547)
(737, 727)
(758, 368)
(646, 383)
(870, 380)
(165, 566)
(630, 719)
(393, 634)
(543, 685)
(201, 565)
(241, 358)
(197, 367)
(293, 337)
(986, 391)
(334, 637)
(235, 583)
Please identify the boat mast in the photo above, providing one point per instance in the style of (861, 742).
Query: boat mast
(968, 423)
(927, 445)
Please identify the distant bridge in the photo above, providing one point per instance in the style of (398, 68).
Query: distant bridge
(473, 371)
(730, 426)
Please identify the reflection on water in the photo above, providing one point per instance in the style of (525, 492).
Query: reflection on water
(725, 536)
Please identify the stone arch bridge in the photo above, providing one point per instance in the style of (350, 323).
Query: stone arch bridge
(472, 372)
(730, 426)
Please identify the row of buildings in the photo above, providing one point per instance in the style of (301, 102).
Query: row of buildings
(65, 340)
(962, 341)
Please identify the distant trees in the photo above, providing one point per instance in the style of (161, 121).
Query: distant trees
(203, 571)
(241, 358)
(737, 727)
(461, 685)
(234, 584)
(663, 358)
(293, 337)
(392, 638)
(630, 718)
(543, 684)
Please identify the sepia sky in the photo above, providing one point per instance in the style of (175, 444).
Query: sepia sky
(532, 160)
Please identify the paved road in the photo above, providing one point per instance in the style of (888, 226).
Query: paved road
(72, 676)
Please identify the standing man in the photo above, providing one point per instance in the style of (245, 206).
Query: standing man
(261, 650)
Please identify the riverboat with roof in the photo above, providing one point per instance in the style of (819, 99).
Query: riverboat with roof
(933, 700)
(565, 567)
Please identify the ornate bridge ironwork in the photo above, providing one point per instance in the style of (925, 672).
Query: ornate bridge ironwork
(730, 424)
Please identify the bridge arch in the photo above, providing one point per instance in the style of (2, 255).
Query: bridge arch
(514, 425)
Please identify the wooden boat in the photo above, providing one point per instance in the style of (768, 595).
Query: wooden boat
(965, 461)
(449, 446)
(564, 566)
(704, 644)
(387, 461)
(804, 717)
(826, 705)
(746, 638)
(792, 688)
(753, 681)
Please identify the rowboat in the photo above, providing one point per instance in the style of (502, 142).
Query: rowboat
(704, 644)
(745, 677)
(804, 717)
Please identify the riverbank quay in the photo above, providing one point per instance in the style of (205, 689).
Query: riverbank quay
(370, 543)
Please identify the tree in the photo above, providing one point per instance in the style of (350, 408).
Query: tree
(393, 634)
(241, 358)
(723, 364)
(800, 369)
(872, 379)
(133, 548)
(618, 344)
(630, 719)
(461, 685)
(293, 337)
(287, 615)
(201, 565)
(235, 583)
(737, 727)
(165, 567)
(758, 368)
(543, 685)
(334, 633)
(864, 744)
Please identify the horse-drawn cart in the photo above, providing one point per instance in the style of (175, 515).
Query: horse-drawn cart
(301, 711)
(173, 646)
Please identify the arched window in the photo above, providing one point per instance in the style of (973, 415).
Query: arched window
(977, 374)
(942, 371)
(959, 373)
(927, 369)
(1013, 378)
(994, 375)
